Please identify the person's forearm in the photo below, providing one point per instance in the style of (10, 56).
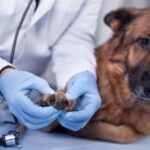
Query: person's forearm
(74, 53)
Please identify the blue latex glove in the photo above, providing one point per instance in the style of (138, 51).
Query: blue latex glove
(15, 86)
(83, 88)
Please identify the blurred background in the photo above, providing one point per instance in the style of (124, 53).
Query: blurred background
(105, 32)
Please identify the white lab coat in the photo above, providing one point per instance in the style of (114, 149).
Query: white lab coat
(60, 33)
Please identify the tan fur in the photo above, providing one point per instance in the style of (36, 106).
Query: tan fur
(123, 117)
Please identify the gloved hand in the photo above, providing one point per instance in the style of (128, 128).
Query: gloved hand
(15, 86)
(83, 88)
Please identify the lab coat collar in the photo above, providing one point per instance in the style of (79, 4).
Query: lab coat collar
(43, 8)
(56, 25)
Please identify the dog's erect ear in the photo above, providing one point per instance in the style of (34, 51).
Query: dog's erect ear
(119, 19)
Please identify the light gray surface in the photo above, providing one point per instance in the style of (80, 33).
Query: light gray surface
(37, 140)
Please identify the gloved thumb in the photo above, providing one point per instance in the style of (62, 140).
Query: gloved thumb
(75, 90)
(41, 86)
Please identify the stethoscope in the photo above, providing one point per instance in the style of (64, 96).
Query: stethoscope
(12, 137)
(11, 59)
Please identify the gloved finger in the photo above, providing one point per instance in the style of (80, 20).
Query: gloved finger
(81, 84)
(30, 125)
(84, 114)
(40, 112)
(42, 86)
(28, 107)
(30, 122)
(34, 120)
(74, 126)
(39, 84)
(76, 90)
(35, 126)
(17, 113)
(27, 92)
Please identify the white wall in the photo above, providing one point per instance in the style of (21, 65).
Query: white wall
(104, 32)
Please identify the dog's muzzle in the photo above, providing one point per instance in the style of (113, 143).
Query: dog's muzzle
(140, 84)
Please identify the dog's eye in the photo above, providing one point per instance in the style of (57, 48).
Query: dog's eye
(144, 42)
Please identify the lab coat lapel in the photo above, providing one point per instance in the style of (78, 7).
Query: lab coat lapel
(62, 19)
(43, 8)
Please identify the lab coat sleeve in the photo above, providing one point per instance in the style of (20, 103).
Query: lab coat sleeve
(4, 63)
(74, 52)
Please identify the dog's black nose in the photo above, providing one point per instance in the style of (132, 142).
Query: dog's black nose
(147, 91)
(145, 79)
(146, 83)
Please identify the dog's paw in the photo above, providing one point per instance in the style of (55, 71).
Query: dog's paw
(58, 100)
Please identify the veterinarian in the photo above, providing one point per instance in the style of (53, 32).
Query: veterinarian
(56, 32)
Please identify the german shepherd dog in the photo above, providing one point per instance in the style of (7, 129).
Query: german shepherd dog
(123, 73)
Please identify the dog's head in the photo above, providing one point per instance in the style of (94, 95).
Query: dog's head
(133, 27)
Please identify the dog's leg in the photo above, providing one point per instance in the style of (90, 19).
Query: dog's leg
(59, 101)
(51, 127)
(105, 131)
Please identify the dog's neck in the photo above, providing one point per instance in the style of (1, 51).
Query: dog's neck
(112, 74)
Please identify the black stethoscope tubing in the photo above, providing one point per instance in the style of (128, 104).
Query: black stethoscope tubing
(3, 140)
(11, 59)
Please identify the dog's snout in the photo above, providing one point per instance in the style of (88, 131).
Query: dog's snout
(139, 83)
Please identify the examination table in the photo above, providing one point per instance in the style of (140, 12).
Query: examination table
(37, 140)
